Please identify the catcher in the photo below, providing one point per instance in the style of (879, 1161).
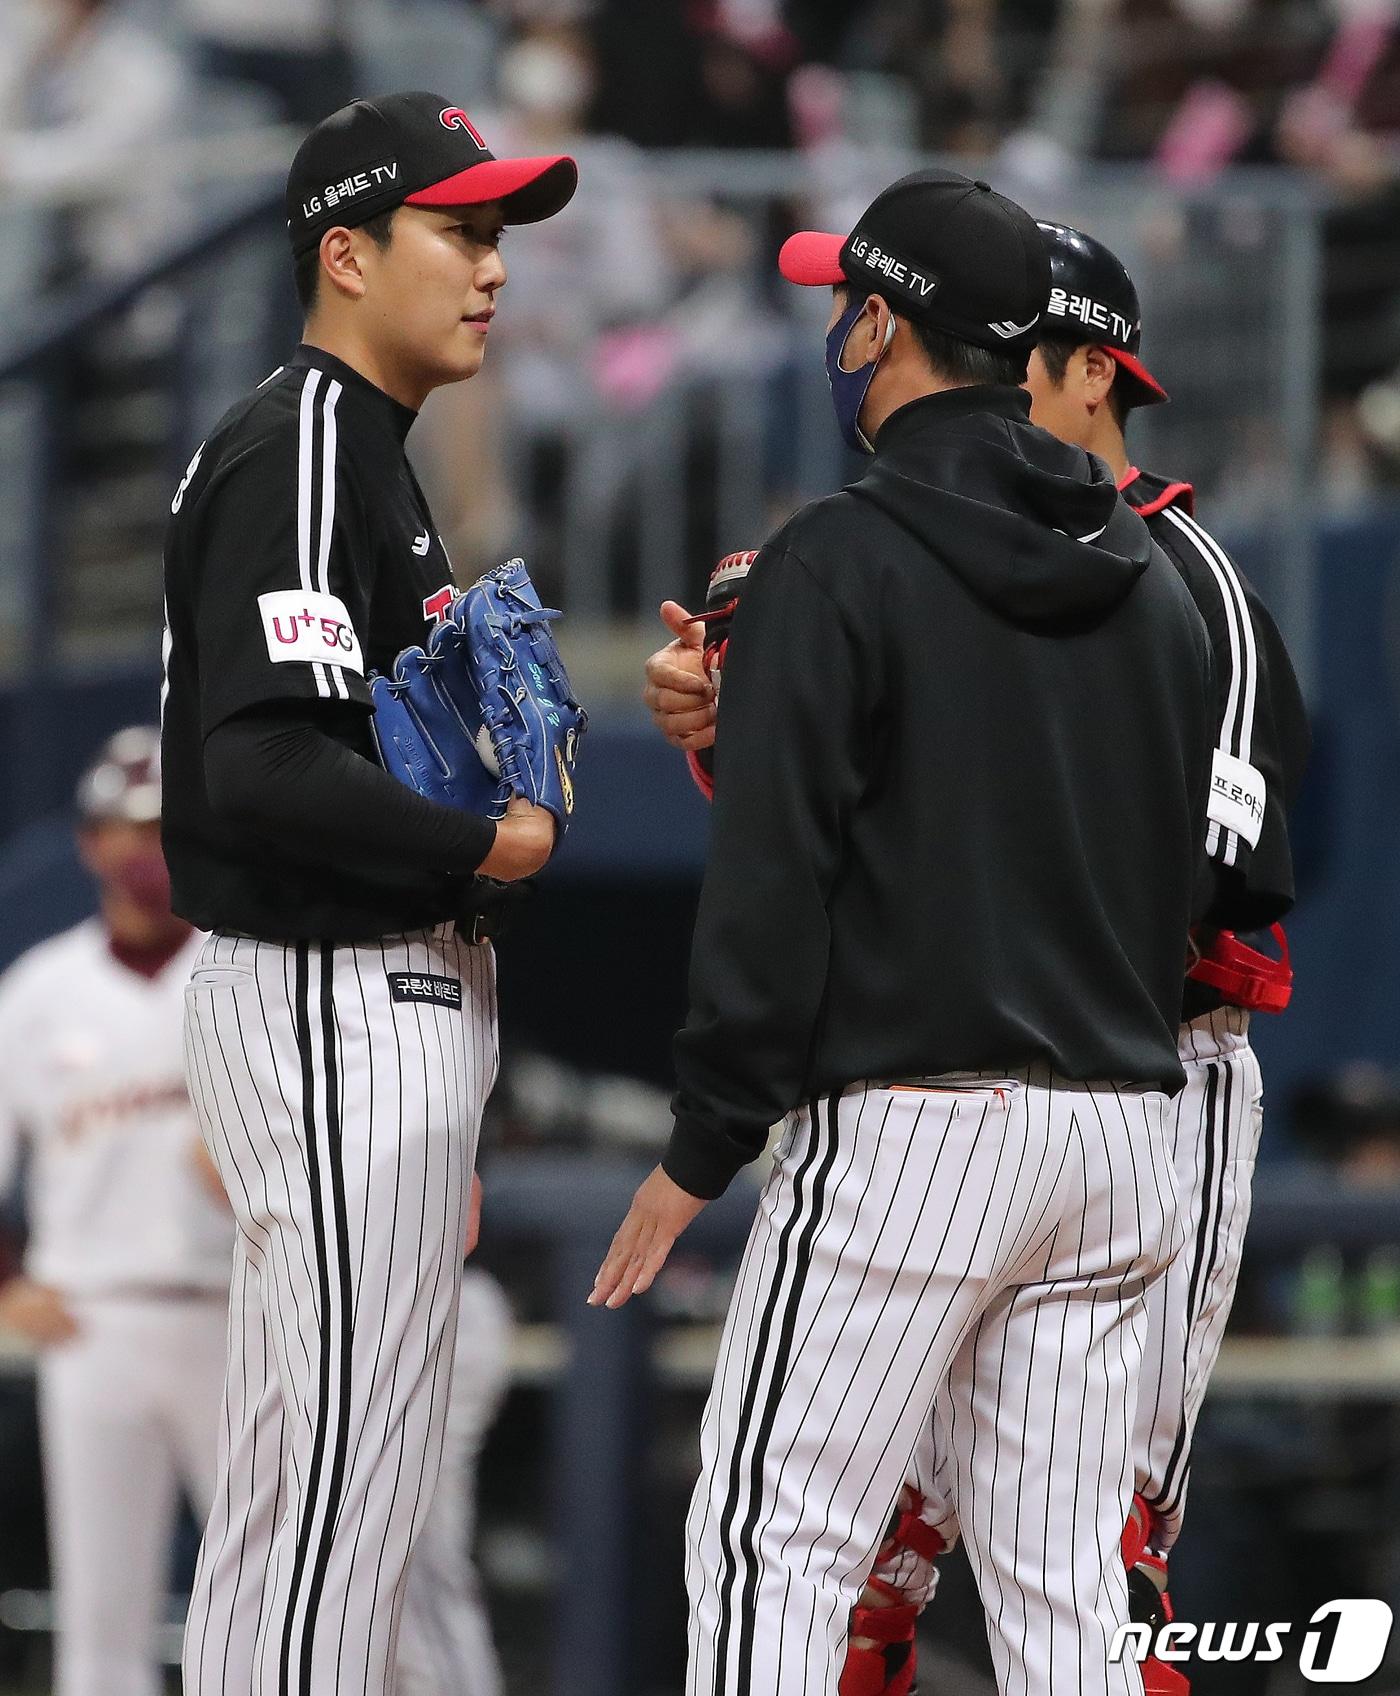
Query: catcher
(340, 1028)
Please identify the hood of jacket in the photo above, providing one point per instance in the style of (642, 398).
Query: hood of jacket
(1034, 528)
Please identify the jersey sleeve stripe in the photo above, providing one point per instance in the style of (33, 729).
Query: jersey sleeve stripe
(323, 551)
(1229, 578)
(306, 457)
(1237, 728)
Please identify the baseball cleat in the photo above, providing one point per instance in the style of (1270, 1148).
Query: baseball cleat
(1150, 1604)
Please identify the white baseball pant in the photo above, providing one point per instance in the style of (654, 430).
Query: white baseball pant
(340, 1091)
(128, 1409)
(445, 1646)
(987, 1238)
(1213, 1128)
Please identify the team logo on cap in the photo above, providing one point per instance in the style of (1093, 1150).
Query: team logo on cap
(1008, 329)
(454, 118)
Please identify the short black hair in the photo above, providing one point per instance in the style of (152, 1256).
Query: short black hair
(955, 359)
(307, 273)
(965, 362)
(1055, 354)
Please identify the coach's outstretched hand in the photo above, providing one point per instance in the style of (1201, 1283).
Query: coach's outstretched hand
(678, 690)
(660, 1211)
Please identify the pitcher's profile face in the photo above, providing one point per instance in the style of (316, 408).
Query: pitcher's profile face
(430, 294)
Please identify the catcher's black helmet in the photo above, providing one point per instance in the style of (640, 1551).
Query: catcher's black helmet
(1092, 299)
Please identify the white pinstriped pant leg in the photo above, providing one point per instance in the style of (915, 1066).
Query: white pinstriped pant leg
(445, 1646)
(249, 1495)
(1215, 1123)
(344, 1123)
(1213, 1128)
(1037, 1412)
(895, 1224)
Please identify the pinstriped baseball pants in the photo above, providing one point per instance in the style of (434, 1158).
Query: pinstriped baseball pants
(340, 1091)
(1213, 1128)
(991, 1238)
(1214, 1125)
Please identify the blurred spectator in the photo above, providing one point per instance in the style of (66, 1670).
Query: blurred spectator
(824, 26)
(603, 267)
(86, 92)
(645, 56)
(745, 57)
(693, 73)
(290, 49)
(575, 307)
(958, 56)
(1326, 128)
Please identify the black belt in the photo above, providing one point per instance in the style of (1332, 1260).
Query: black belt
(493, 910)
(479, 927)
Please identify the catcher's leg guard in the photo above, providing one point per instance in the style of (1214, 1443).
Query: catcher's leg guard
(1136, 1532)
(880, 1655)
(886, 1666)
(1149, 1604)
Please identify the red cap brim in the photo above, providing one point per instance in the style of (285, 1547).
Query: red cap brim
(1156, 394)
(812, 259)
(528, 189)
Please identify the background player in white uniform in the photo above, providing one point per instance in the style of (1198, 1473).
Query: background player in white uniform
(125, 1283)
(126, 1275)
(340, 1022)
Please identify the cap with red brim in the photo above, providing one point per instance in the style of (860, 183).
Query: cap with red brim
(1155, 394)
(411, 149)
(813, 259)
(528, 189)
(942, 250)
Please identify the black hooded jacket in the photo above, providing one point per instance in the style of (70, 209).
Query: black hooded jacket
(960, 787)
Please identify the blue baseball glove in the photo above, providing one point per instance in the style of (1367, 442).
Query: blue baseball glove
(534, 722)
(485, 711)
(430, 729)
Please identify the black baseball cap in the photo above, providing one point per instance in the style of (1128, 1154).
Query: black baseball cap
(945, 250)
(414, 150)
(1093, 299)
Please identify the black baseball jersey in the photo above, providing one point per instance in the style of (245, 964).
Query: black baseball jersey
(1262, 741)
(961, 779)
(301, 556)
